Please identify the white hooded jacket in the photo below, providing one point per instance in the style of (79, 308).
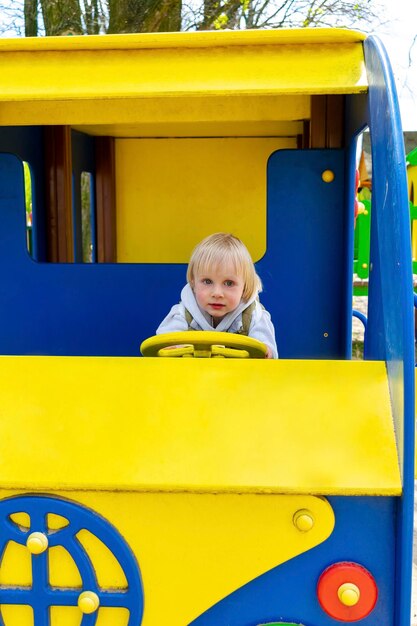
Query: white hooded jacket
(260, 328)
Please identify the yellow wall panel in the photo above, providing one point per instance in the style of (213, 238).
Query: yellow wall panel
(194, 549)
(16, 568)
(20, 616)
(62, 569)
(112, 617)
(106, 422)
(62, 616)
(71, 616)
(177, 191)
(109, 574)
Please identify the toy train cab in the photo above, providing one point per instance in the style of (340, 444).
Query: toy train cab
(149, 491)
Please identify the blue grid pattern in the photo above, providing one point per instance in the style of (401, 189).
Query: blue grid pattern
(41, 596)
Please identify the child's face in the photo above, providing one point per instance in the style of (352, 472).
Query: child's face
(219, 290)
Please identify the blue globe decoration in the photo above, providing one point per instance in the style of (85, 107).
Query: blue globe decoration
(40, 596)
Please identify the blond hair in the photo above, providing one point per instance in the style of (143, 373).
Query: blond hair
(224, 247)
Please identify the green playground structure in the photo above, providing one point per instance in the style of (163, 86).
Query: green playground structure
(363, 228)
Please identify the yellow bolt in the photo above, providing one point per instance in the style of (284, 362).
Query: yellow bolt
(37, 543)
(303, 520)
(349, 594)
(327, 176)
(364, 265)
(88, 602)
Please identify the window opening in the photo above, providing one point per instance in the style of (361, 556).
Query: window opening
(88, 225)
(362, 244)
(28, 207)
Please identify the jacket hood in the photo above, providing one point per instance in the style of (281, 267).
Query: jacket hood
(203, 319)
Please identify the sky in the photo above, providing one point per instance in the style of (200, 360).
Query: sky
(397, 32)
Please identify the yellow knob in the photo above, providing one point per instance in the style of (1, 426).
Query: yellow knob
(349, 594)
(88, 602)
(364, 265)
(303, 520)
(37, 543)
(327, 176)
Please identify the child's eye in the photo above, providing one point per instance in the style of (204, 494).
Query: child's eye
(206, 281)
(229, 283)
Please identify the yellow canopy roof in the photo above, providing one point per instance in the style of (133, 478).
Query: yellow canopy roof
(271, 62)
(110, 79)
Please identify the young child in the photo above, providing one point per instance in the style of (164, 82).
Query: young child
(222, 294)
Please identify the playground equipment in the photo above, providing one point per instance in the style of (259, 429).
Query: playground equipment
(363, 228)
(200, 491)
(411, 161)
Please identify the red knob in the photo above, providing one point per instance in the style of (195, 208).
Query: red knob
(347, 591)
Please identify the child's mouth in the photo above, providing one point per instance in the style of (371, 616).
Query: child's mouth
(216, 306)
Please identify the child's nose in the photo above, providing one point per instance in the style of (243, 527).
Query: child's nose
(217, 291)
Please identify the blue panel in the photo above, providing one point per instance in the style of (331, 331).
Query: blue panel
(303, 268)
(364, 533)
(79, 309)
(73, 309)
(41, 595)
(27, 144)
(390, 331)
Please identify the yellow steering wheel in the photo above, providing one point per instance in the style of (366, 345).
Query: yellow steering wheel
(203, 344)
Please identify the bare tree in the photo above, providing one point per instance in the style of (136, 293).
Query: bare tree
(94, 17)
(410, 51)
(61, 17)
(49, 17)
(31, 18)
(232, 14)
(139, 16)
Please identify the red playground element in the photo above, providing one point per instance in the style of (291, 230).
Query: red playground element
(347, 591)
(356, 205)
